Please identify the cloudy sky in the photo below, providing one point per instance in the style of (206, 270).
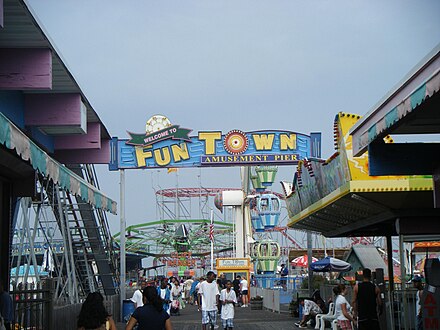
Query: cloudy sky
(223, 65)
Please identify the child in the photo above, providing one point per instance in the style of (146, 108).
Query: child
(228, 299)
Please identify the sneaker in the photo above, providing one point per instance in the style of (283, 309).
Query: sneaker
(216, 326)
(302, 326)
(243, 306)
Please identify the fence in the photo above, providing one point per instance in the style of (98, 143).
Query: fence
(32, 306)
(65, 316)
(277, 292)
(34, 309)
(287, 283)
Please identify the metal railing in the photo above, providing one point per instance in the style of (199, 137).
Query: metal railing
(32, 306)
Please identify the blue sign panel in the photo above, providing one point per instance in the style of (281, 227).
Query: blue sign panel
(213, 148)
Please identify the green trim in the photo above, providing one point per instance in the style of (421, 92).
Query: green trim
(391, 117)
(38, 158)
(5, 132)
(372, 133)
(418, 96)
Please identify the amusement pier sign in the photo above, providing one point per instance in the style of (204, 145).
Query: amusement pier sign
(166, 145)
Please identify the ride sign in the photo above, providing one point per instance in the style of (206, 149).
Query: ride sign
(165, 145)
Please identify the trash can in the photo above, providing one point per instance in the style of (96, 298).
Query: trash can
(127, 309)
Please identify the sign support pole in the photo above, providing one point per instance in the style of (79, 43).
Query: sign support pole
(212, 240)
(309, 261)
(122, 291)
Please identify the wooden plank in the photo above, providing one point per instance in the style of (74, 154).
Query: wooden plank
(85, 156)
(54, 110)
(91, 140)
(25, 69)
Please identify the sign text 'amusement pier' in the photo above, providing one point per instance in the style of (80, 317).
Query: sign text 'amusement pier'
(172, 147)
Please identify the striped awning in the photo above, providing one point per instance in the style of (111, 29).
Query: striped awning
(14, 139)
(403, 109)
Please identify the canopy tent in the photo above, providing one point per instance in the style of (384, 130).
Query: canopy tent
(329, 264)
(302, 261)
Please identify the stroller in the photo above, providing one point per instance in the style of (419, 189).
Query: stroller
(175, 308)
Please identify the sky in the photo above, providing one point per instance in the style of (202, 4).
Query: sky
(224, 65)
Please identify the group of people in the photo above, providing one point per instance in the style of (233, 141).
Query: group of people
(169, 290)
(156, 301)
(363, 313)
(213, 297)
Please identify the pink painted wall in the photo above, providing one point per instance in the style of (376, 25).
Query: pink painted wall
(91, 140)
(25, 69)
(86, 156)
(52, 109)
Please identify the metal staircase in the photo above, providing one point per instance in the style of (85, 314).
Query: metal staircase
(92, 240)
(88, 263)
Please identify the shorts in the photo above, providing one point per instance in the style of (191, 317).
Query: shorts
(227, 323)
(244, 292)
(209, 317)
(345, 324)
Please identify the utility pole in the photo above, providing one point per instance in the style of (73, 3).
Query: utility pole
(122, 240)
(309, 261)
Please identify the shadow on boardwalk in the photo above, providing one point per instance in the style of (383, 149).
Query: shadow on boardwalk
(245, 319)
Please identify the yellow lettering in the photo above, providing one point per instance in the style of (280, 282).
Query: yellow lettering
(215, 159)
(162, 156)
(210, 138)
(142, 154)
(287, 141)
(263, 141)
(179, 152)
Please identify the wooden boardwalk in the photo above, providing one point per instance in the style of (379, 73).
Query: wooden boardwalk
(245, 319)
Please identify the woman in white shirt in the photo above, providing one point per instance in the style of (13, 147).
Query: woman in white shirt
(342, 308)
(244, 291)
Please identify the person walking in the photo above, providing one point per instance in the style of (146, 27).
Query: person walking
(137, 295)
(193, 292)
(6, 307)
(208, 299)
(228, 300)
(367, 303)
(176, 293)
(164, 293)
(244, 291)
(93, 314)
(151, 316)
(417, 282)
(342, 308)
(186, 289)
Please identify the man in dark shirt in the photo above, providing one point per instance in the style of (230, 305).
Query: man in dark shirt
(366, 303)
(236, 285)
